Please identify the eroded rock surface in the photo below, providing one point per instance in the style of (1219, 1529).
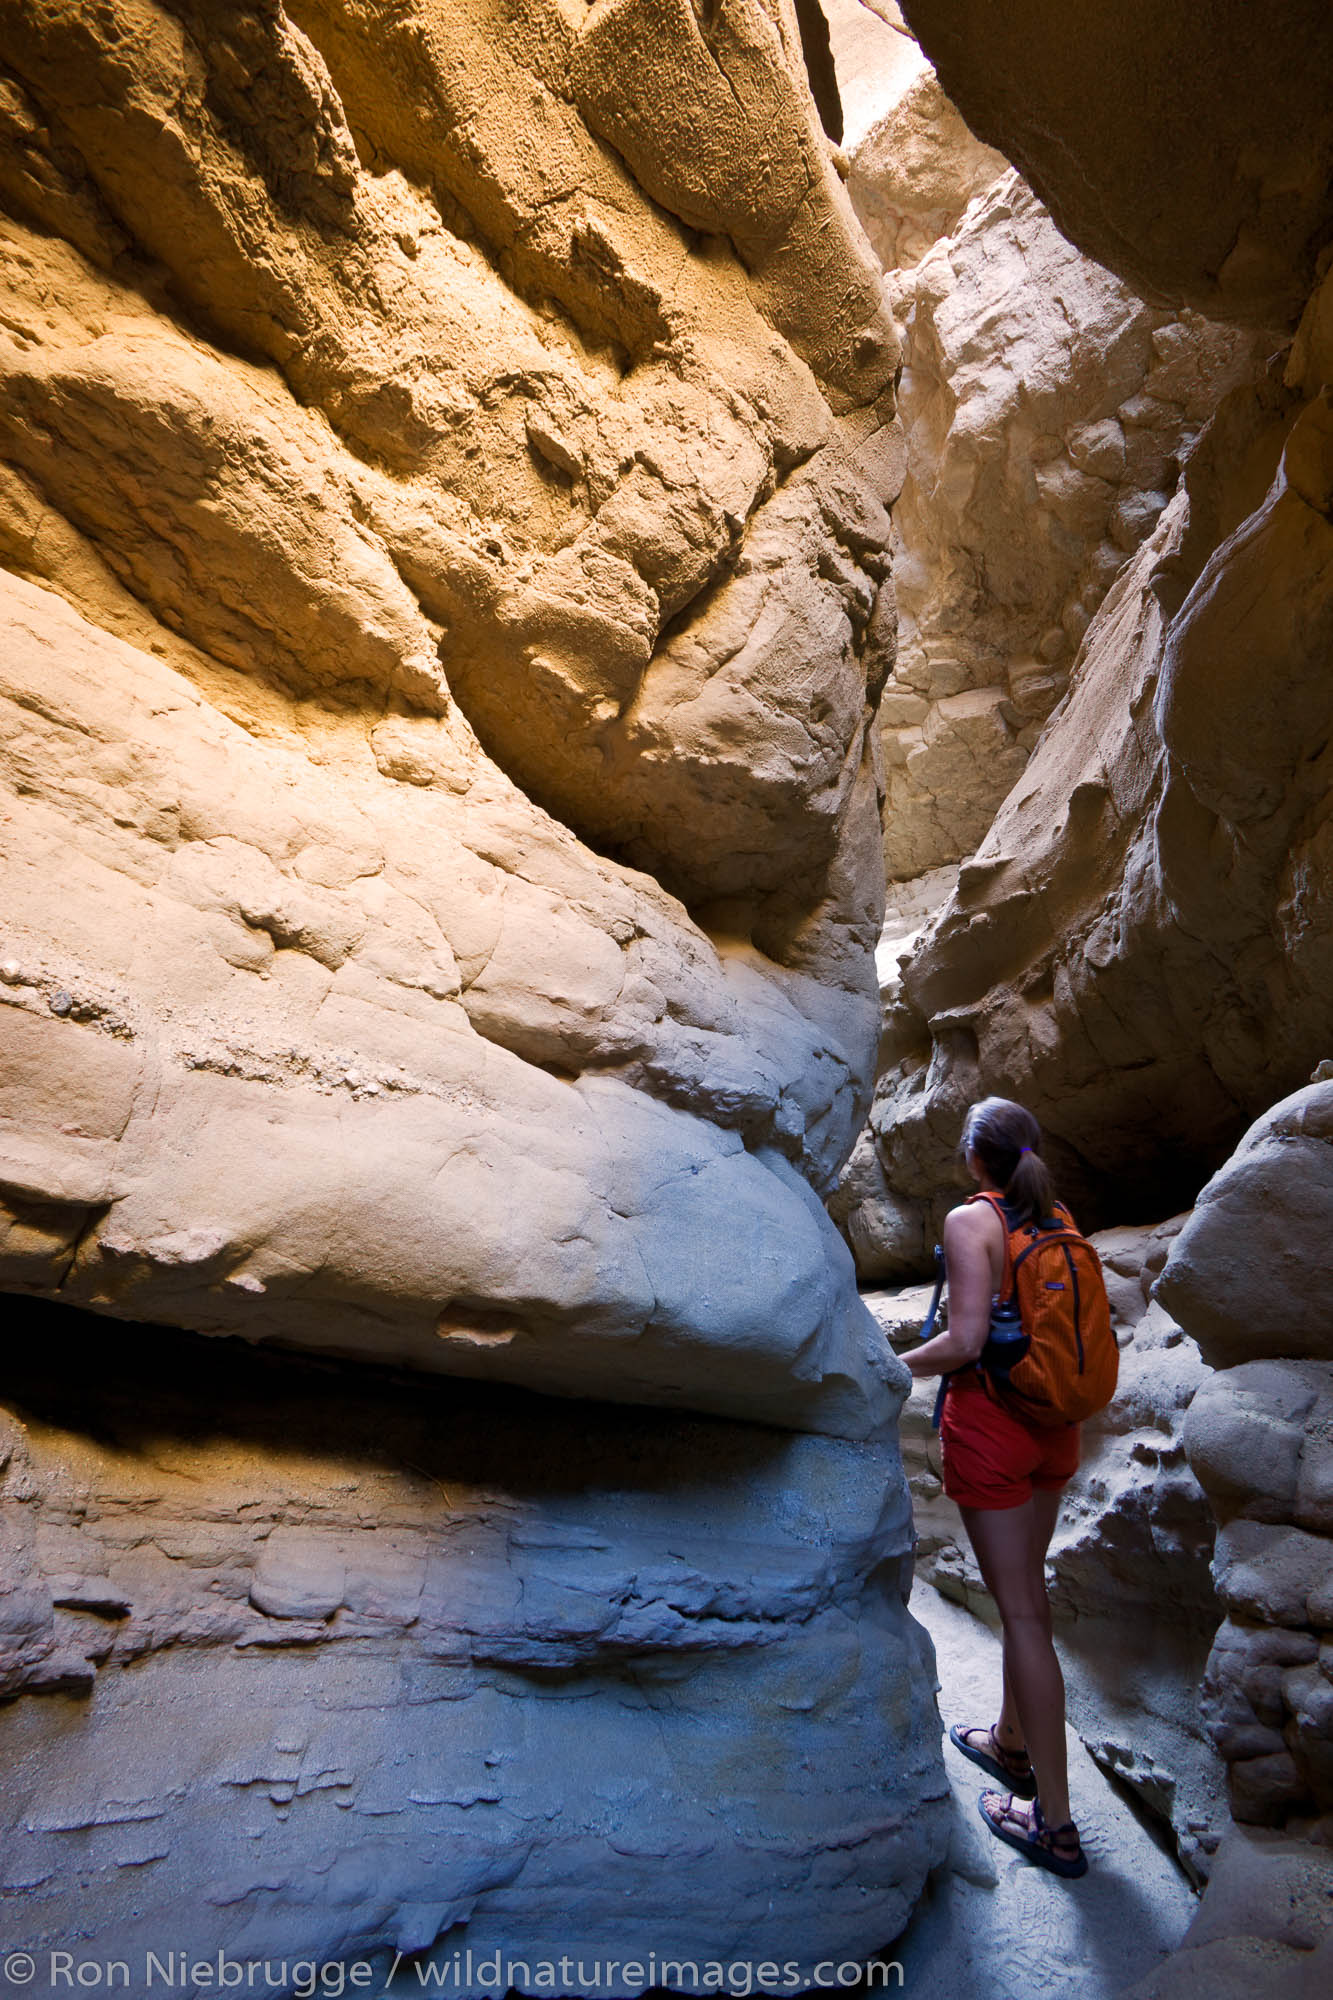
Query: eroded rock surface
(1138, 948)
(442, 825)
(445, 454)
(915, 170)
(1047, 410)
(1246, 1272)
(1251, 1273)
(297, 1050)
(329, 1676)
(1267, 1919)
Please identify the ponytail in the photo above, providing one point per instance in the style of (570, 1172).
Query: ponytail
(1005, 1138)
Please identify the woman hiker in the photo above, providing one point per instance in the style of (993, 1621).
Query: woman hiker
(1006, 1475)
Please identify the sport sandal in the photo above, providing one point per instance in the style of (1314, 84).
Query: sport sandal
(1011, 1767)
(1029, 1833)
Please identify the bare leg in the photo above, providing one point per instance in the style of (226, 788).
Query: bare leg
(1045, 1512)
(1010, 1545)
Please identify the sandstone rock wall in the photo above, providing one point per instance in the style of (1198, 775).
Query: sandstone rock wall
(301, 1050)
(323, 1675)
(442, 849)
(445, 454)
(1138, 948)
(916, 168)
(1047, 410)
(1248, 1276)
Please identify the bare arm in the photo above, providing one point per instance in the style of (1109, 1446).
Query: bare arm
(974, 1258)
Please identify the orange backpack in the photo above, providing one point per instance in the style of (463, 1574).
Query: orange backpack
(1068, 1359)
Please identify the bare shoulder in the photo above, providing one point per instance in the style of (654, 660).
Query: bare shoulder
(973, 1224)
(974, 1254)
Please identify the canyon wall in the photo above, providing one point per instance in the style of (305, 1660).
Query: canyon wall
(1193, 159)
(1137, 948)
(447, 535)
(1247, 1276)
(1047, 411)
(330, 1670)
(445, 454)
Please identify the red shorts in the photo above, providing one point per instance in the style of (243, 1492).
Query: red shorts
(992, 1458)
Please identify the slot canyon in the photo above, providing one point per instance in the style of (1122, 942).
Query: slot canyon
(612, 611)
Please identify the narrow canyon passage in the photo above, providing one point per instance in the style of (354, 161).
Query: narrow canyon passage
(990, 1924)
(611, 611)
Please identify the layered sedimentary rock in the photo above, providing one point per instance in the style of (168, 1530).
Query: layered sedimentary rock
(444, 867)
(361, 1671)
(298, 1050)
(444, 461)
(1047, 410)
(1248, 1276)
(1139, 947)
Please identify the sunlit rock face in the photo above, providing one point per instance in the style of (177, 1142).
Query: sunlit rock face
(1046, 410)
(446, 521)
(316, 1674)
(445, 454)
(1139, 948)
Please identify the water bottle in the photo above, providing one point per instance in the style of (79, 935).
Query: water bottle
(1006, 1342)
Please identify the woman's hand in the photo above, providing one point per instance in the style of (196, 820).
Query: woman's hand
(974, 1259)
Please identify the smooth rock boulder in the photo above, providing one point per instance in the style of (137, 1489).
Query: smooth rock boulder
(306, 1675)
(444, 522)
(1252, 1271)
(296, 1050)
